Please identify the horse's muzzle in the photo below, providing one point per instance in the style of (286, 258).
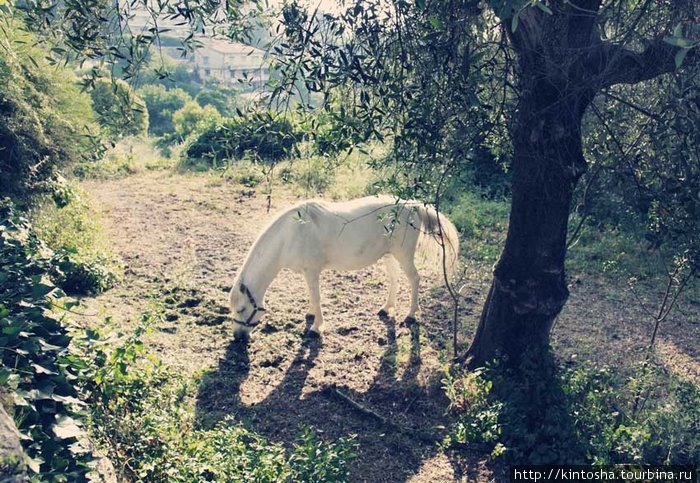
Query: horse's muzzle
(240, 332)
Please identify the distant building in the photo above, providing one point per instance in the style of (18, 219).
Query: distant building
(227, 62)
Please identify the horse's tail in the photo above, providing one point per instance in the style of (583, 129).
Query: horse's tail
(438, 243)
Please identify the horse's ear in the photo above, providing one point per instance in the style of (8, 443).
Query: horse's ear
(243, 288)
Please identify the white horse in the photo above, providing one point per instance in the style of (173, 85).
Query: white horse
(316, 235)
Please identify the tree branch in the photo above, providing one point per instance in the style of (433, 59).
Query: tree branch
(613, 64)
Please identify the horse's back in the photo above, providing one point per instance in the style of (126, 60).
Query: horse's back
(345, 235)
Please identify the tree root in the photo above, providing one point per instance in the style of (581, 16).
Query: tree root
(423, 436)
(430, 438)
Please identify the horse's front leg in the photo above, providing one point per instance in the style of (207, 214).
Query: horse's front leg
(392, 274)
(312, 280)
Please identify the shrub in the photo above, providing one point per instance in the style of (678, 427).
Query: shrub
(222, 99)
(36, 365)
(539, 413)
(119, 110)
(45, 121)
(162, 103)
(81, 277)
(266, 137)
(193, 118)
(139, 411)
(79, 262)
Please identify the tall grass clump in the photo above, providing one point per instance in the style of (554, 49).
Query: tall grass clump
(81, 261)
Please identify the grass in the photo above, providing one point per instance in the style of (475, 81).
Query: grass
(129, 156)
(82, 259)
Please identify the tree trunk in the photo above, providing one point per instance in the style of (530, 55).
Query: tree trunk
(529, 286)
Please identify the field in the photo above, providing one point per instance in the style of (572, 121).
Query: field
(182, 237)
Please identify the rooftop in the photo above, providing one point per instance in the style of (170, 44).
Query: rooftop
(226, 46)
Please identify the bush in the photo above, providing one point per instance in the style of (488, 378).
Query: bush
(119, 110)
(79, 260)
(266, 137)
(81, 277)
(45, 121)
(539, 413)
(162, 103)
(222, 99)
(36, 365)
(192, 118)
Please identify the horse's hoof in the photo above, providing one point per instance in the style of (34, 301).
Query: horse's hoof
(383, 314)
(310, 317)
(408, 321)
(312, 334)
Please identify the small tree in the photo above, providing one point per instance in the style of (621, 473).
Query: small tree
(162, 103)
(119, 110)
(192, 118)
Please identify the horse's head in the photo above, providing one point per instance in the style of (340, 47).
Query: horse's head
(245, 309)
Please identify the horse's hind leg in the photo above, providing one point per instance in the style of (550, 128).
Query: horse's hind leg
(392, 274)
(312, 280)
(409, 268)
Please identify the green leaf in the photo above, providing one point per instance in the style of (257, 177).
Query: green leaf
(66, 427)
(4, 375)
(40, 290)
(436, 23)
(680, 56)
(544, 8)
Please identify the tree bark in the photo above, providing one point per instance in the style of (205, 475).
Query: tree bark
(529, 285)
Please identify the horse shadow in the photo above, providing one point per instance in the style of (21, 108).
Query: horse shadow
(385, 453)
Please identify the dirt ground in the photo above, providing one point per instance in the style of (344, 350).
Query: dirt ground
(183, 237)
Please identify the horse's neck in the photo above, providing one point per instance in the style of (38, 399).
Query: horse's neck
(262, 265)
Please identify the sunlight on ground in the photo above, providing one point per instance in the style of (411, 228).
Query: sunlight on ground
(677, 361)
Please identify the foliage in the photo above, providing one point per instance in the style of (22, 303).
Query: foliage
(167, 73)
(223, 99)
(476, 416)
(78, 276)
(80, 262)
(36, 364)
(119, 110)
(139, 411)
(540, 413)
(262, 134)
(102, 32)
(45, 121)
(192, 118)
(162, 103)
(128, 156)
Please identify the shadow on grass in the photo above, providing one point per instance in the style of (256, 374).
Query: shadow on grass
(384, 454)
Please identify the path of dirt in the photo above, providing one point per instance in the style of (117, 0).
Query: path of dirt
(182, 238)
